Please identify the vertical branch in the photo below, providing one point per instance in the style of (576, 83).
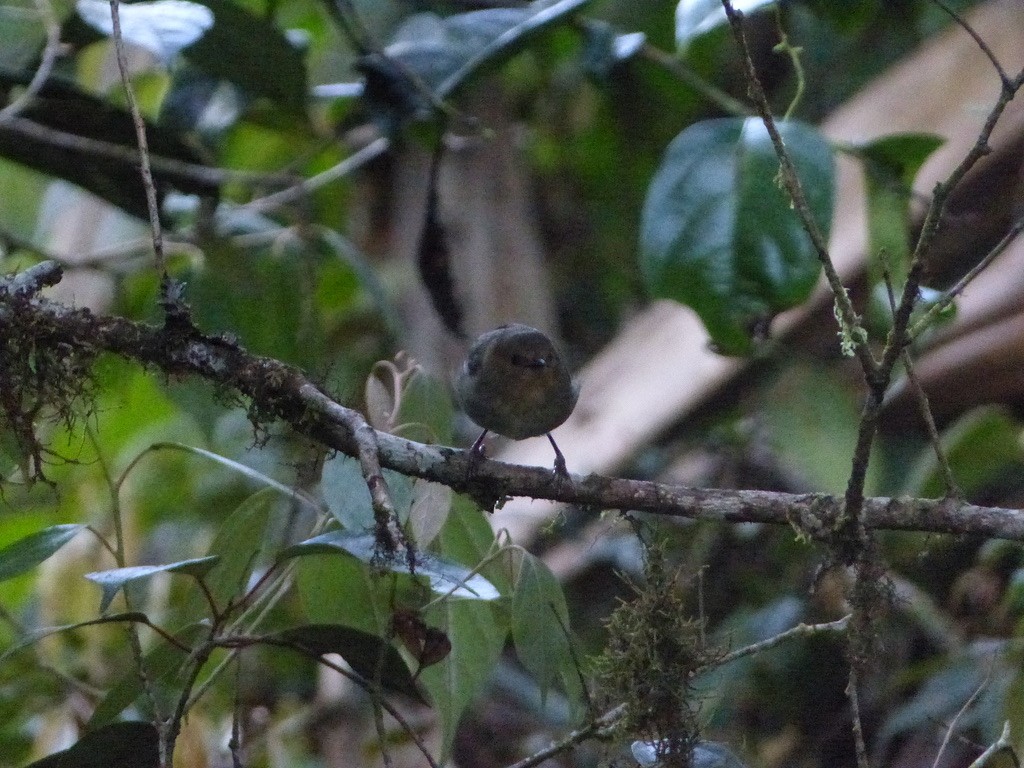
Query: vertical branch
(845, 310)
(144, 164)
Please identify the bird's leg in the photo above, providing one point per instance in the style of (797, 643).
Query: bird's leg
(560, 469)
(478, 449)
(476, 453)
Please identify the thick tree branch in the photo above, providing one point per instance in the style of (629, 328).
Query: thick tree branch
(279, 391)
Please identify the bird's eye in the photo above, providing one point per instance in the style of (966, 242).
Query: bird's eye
(528, 361)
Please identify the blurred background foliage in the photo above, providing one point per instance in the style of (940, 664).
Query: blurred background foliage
(271, 95)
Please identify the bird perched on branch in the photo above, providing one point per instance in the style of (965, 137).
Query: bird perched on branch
(514, 383)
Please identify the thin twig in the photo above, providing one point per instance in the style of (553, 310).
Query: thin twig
(858, 728)
(46, 62)
(951, 728)
(195, 172)
(305, 187)
(923, 406)
(1003, 744)
(140, 137)
(950, 295)
(678, 68)
(794, 187)
(800, 630)
(977, 39)
(591, 730)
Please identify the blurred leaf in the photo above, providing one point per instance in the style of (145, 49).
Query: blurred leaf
(943, 693)
(163, 666)
(891, 164)
(62, 106)
(431, 503)
(445, 577)
(252, 53)
(27, 553)
(981, 446)
(434, 258)
(364, 652)
(719, 233)
(813, 437)
(243, 470)
(540, 627)
(346, 494)
(114, 580)
(39, 634)
(605, 48)
(695, 17)
(442, 53)
(162, 27)
(706, 754)
(124, 745)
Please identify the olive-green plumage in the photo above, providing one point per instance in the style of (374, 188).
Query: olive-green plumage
(514, 383)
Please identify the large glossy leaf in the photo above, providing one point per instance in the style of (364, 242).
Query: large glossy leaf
(719, 233)
(27, 553)
(125, 745)
(364, 652)
(477, 633)
(114, 580)
(476, 630)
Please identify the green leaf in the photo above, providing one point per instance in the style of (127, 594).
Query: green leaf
(37, 635)
(540, 623)
(125, 745)
(241, 543)
(718, 231)
(425, 411)
(891, 164)
(477, 632)
(445, 577)
(115, 579)
(363, 651)
(346, 494)
(335, 589)
(27, 553)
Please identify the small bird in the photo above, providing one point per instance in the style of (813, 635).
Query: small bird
(514, 383)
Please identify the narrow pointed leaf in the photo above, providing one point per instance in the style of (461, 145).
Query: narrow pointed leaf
(361, 650)
(114, 580)
(27, 553)
(445, 577)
